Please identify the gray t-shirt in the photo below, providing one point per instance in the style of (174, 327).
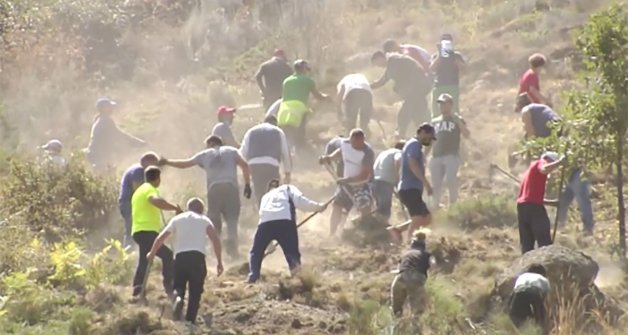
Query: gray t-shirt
(448, 134)
(384, 167)
(220, 164)
(223, 130)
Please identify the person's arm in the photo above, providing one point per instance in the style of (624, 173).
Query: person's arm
(161, 203)
(526, 117)
(381, 81)
(244, 167)
(397, 162)
(536, 95)
(317, 94)
(181, 163)
(303, 203)
(286, 160)
(547, 168)
(259, 77)
(464, 130)
(161, 239)
(334, 156)
(213, 237)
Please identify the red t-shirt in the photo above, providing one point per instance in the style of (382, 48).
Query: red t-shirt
(529, 79)
(533, 185)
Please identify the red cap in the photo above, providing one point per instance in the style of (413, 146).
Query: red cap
(224, 110)
(279, 53)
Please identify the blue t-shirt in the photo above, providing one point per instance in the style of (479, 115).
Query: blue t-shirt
(134, 174)
(412, 150)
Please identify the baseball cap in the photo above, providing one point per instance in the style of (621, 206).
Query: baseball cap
(301, 64)
(445, 98)
(102, 102)
(550, 156)
(428, 128)
(53, 145)
(224, 110)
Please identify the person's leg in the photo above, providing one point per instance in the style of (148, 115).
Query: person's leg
(231, 213)
(263, 237)
(167, 268)
(437, 172)
(398, 294)
(541, 226)
(582, 190)
(452, 164)
(302, 130)
(181, 279)
(366, 110)
(257, 180)
(351, 108)
(564, 201)
(526, 235)
(363, 199)
(288, 239)
(125, 211)
(144, 241)
(454, 91)
(198, 272)
(213, 208)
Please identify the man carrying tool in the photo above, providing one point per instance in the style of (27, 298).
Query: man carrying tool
(295, 97)
(353, 188)
(270, 77)
(265, 147)
(534, 224)
(445, 160)
(277, 221)
(147, 205)
(132, 178)
(223, 199)
(223, 127)
(528, 298)
(412, 182)
(409, 283)
(411, 83)
(192, 232)
(354, 96)
(386, 176)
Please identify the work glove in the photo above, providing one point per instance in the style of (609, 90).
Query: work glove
(247, 191)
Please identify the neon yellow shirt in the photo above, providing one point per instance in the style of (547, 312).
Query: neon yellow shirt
(146, 216)
(291, 113)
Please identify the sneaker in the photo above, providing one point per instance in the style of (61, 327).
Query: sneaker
(177, 308)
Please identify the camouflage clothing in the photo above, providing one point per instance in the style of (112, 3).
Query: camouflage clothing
(408, 285)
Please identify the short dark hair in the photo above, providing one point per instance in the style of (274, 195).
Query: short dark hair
(213, 140)
(390, 45)
(537, 268)
(152, 173)
(523, 100)
(377, 54)
(425, 126)
(399, 145)
(357, 133)
(273, 183)
(537, 60)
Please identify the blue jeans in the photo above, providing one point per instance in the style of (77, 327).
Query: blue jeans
(282, 231)
(125, 211)
(383, 193)
(580, 190)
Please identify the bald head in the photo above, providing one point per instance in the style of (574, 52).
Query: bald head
(196, 205)
(148, 159)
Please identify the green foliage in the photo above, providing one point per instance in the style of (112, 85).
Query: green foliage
(484, 211)
(361, 317)
(112, 265)
(65, 259)
(444, 308)
(80, 321)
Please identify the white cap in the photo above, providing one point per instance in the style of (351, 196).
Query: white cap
(53, 145)
(550, 156)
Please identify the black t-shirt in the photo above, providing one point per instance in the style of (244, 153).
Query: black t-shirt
(274, 72)
(415, 260)
(408, 76)
(448, 73)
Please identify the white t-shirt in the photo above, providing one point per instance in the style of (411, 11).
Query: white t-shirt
(189, 232)
(353, 81)
(530, 279)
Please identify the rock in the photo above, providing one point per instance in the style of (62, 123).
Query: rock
(564, 267)
(244, 316)
(296, 324)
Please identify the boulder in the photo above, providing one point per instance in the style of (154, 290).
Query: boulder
(565, 268)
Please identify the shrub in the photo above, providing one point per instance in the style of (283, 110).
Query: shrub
(481, 212)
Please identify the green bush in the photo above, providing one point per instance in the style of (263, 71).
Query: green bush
(485, 211)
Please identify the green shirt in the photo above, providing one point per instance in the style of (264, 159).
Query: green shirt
(146, 216)
(298, 87)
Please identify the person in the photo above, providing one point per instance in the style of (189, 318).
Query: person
(106, 136)
(132, 178)
(579, 187)
(353, 188)
(270, 76)
(528, 297)
(354, 96)
(146, 205)
(295, 97)
(409, 283)
(52, 150)
(223, 127)
(192, 232)
(447, 64)
(534, 224)
(330, 148)
(273, 110)
(411, 83)
(412, 182)
(416, 52)
(445, 160)
(537, 120)
(386, 176)
(220, 163)
(530, 82)
(265, 147)
(277, 221)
